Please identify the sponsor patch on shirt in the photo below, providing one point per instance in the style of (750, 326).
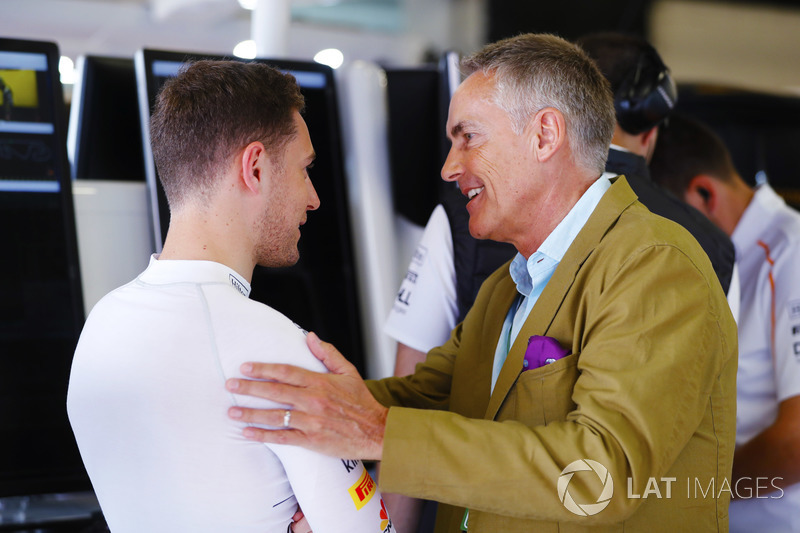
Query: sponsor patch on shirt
(796, 329)
(363, 491)
(797, 350)
(794, 309)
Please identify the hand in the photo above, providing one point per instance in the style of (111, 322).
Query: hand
(300, 524)
(333, 414)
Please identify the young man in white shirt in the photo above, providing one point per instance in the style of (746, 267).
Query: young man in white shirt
(693, 162)
(233, 154)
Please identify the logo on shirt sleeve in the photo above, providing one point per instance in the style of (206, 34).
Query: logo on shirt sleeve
(386, 522)
(350, 464)
(363, 491)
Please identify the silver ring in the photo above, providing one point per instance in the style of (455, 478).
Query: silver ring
(287, 417)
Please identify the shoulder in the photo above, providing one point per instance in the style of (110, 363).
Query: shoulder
(639, 236)
(784, 228)
(246, 330)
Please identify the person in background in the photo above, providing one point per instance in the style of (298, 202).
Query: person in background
(644, 97)
(233, 154)
(693, 162)
(587, 356)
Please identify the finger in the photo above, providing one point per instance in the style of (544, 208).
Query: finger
(290, 374)
(292, 437)
(267, 417)
(329, 355)
(301, 526)
(268, 390)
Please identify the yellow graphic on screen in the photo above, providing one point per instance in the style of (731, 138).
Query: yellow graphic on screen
(20, 86)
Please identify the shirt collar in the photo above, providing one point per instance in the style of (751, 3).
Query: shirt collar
(552, 250)
(160, 272)
(757, 217)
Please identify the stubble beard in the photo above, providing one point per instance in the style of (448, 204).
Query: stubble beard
(275, 250)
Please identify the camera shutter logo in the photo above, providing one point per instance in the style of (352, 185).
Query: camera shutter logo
(587, 509)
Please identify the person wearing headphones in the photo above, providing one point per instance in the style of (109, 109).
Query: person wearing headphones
(644, 96)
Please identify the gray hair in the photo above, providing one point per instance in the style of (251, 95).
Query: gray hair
(535, 71)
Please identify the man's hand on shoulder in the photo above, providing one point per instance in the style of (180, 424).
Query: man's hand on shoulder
(333, 414)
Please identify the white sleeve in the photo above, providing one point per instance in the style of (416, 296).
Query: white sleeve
(336, 495)
(735, 293)
(787, 323)
(425, 309)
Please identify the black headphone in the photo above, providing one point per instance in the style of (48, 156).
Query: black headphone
(646, 96)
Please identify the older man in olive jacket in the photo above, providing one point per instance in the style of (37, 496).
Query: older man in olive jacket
(592, 386)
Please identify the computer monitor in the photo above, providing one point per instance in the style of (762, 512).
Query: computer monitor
(418, 102)
(104, 137)
(318, 293)
(41, 312)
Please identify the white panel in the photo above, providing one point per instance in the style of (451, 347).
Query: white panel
(114, 243)
(362, 95)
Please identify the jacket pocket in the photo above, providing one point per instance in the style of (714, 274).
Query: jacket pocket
(543, 395)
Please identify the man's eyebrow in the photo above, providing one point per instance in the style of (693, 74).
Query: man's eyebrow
(457, 129)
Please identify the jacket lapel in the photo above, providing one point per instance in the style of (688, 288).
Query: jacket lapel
(616, 199)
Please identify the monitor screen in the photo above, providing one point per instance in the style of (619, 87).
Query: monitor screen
(104, 136)
(41, 310)
(318, 293)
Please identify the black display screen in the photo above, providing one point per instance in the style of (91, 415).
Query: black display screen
(318, 293)
(41, 310)
(104, 134)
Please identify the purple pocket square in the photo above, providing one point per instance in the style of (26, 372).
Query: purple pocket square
(542, 351)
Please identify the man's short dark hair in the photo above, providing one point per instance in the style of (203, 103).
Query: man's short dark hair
(687, 148)
(210, 111)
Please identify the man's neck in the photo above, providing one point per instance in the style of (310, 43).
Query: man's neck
(201, 235)
(639, 144)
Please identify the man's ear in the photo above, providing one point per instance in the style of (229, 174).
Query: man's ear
(703, 194)
(254, 165)
(549, 130)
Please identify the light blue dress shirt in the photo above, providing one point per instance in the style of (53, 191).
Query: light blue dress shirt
(531, 276)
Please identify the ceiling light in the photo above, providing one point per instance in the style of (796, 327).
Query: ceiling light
(245, 49)
(66, 68)
(330, 56)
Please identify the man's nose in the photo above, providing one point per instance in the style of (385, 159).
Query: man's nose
(451, 169)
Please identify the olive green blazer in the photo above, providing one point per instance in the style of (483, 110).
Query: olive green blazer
(648, 392)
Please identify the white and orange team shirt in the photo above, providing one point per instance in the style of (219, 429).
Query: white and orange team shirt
(148, 406)
(767, 241)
